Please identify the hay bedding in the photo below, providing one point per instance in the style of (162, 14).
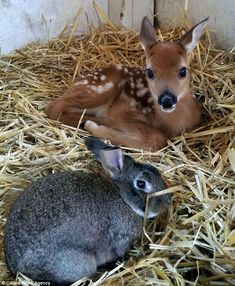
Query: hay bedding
(197, 245)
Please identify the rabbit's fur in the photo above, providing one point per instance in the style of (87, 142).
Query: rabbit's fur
(64, 226)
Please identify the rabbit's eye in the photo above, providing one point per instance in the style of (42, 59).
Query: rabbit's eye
(140, 184)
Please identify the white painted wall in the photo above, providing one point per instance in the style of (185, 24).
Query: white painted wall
(26, 21)
(129, 13)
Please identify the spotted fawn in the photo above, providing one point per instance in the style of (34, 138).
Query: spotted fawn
(135, 107)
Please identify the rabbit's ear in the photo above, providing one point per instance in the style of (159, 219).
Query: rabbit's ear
(95, 146)
(112, 161)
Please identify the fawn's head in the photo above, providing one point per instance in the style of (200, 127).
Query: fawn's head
(168, 64)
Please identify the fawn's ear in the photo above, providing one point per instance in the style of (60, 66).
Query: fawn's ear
(112, 161)
(148, 36)
(190, 39)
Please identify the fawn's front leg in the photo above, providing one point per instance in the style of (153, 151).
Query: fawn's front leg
(136, 135)
(76, 118)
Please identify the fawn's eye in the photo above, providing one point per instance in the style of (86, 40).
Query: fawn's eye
(140, 184)
(182, 72)
(150, 74)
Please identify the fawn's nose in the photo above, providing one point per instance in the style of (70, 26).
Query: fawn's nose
(167, 100)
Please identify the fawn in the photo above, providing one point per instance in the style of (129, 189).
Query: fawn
(135, 107)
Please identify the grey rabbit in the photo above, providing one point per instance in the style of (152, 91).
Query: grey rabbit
(65, 225)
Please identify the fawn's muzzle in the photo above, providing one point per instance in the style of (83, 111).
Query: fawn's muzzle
(167, 100)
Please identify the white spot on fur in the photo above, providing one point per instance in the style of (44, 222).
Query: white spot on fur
(95, 77)
(133, 105)
(119, 67)
(125, 70)
(146, 110)
(103, 77)
(102, 88)
(85, 81)
(150, 99)
(140, 85)
(142, 92)
(132, 84)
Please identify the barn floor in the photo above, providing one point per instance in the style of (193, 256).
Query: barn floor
(196, 245)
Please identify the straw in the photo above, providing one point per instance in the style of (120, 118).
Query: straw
(191, 244)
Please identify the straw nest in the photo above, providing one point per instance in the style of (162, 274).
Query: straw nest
(196, 243)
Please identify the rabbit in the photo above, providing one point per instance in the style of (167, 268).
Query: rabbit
(66, 225)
